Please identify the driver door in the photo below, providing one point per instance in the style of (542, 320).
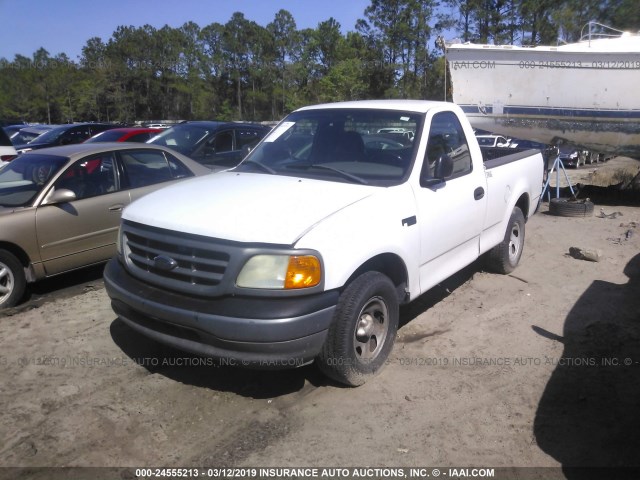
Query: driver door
(451, 214)
(82, 232)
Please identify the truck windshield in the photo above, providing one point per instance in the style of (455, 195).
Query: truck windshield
(366, 146)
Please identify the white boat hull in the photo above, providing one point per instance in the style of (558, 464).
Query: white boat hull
(587, 94)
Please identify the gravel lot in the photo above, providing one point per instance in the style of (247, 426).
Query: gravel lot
(540, 368)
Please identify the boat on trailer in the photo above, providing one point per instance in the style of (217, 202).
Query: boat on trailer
(585, 93)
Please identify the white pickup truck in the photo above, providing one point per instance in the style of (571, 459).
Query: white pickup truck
(305, 251)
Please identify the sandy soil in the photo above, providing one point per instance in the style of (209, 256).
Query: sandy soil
(538, 368)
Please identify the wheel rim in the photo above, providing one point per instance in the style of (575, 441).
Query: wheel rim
(515, 242)
(7, 282)
(371, 329)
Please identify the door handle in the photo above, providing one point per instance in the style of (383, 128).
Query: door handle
(116, 208)
(478, 193)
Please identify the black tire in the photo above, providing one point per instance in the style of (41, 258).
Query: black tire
(504, 257)
(565, 207)
(363, 330)
(12, 280)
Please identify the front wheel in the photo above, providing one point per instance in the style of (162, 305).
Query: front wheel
(504, 257)
(12, 280)
(363, 330)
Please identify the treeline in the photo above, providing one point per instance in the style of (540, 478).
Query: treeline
(242, 70)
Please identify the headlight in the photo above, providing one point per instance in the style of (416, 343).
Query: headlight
(280, 272)
(573, 155)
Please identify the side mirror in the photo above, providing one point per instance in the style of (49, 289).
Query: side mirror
(443, 167)
(61, 195)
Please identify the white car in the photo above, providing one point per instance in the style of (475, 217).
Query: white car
(7, 151)
(493, 141)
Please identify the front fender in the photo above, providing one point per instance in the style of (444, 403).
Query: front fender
(383, 223)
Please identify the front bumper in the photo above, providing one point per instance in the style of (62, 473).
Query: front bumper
(251, 331)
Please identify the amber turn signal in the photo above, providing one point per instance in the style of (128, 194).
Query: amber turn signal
(303, 272)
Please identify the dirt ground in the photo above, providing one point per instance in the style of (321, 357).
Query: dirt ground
(539, 368)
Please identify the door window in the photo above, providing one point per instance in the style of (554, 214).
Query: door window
(145, 167)
(247, 137)
(75, 135)
(89, 177)
(446, 138)
(224, 142)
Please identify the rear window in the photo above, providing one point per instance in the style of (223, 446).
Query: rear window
(108, 136)
(184, 137)
(140, 137)
(148, 167)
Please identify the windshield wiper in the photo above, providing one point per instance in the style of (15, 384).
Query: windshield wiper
(322, 166)
(264, 167)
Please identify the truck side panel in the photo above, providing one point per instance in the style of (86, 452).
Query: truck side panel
(507, 182)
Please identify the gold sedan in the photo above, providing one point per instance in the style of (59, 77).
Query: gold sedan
(60, 207)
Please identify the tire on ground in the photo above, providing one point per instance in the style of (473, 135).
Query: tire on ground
(504, 257)
(565, 207)
(12, 280)
(363, 330)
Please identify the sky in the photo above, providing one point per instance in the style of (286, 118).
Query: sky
(64, 26)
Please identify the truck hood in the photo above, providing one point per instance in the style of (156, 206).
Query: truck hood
(245, 207)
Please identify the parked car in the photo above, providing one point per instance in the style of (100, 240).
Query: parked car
(493, 141)
(7, 150)
(398, 130)
(572, 156)
(65, 135)
(549, 152)
(60, 207)
(30, 133)
(11, 129)
(217, 144)
(131, 134)
(381, 142)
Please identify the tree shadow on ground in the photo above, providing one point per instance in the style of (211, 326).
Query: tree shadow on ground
(589, 413)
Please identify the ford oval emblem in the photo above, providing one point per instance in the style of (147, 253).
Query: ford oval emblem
(162, 262)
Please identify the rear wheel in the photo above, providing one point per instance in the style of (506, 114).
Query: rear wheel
(12, 280)
(363, 330)
(504, 257)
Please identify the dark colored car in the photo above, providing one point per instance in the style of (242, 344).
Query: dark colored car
(30, 133)
(572, 156)
(11, 129)
(216, 144)
(130, 134)
(65, 135)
